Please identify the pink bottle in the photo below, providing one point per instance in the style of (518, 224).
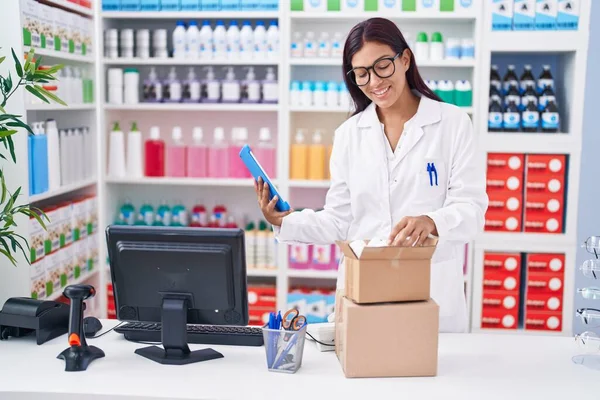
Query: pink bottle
(176, 156)
(218, 156)
(299, 255)
(321, 256)
(265, 152)
(239, 137)
(197, 156)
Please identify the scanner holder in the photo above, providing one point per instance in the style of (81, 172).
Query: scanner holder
(175, 349)
(78, 355)
(23, 316)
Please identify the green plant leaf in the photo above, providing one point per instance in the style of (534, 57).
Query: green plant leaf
(28, 59)
(2, 110)
(2, 59)
(39, 215)
(15, 244)
(42, 75)
(52, 96)
(11, 148)
(32, 90)
(7, 84)
(4, 189)
(4, 244)
(8, 116)
(9, 256)
(18, 123)
(7, 133)
(17, 63)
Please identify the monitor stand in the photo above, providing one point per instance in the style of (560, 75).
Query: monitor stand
(175, 349)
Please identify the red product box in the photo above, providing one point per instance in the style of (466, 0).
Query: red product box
(543, 321)
(500, 300)
(262, 296)
(503, 222)
(549, 284)
(547, 164)
(505, 201)
(506, 263)
(544, 205)
(505, 162)
(499, 281)
(543, 302)
(499, 319)
(546, 184)
(504, 181)
(259, 316)
(543, 224)
(545, 262)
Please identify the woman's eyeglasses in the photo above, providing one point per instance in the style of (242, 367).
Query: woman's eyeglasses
(383, 68)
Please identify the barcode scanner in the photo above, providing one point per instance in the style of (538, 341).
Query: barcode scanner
(78, 355)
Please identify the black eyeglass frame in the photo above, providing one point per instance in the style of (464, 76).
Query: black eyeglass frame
(372, 67)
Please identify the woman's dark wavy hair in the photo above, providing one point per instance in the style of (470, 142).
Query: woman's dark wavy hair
(383, 31)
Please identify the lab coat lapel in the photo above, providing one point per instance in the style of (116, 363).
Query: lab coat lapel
(411, 138)
(374, 142)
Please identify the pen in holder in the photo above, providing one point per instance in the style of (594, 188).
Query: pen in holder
(284, 349)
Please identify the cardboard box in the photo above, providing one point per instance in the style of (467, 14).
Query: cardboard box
(389, 273)
(406, 346)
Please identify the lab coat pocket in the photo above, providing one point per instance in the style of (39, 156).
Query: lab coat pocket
(431, 178)
(444, 276)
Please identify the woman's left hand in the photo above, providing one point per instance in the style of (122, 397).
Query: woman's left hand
(412, 231)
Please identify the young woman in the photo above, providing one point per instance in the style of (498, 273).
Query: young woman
(403, 167)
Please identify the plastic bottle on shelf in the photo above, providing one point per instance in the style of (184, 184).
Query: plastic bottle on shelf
(154, 157)
(299, 156)
(436, 49)
(111, 43)
(511, 118)
(295, 93)
(337, 45)
(270, 87)
(316, 157)
(260, 41)
(172, 88)
(273, 41)
(545, 79)
(127, 43)
(297, 46)
(142, 43)
(179, 215)
(80, 154)
(239, 138)
(510, 79)
(134, 152)
(550, 118)
(78, 86)
(176, 152)
(53, 155)
(463, 93)
(159, 43)
(153, 88)
(422, 47)
(495, 79)
(218, 155)
(306, 94)
(39, 157)
(246, 41)
(220, 215)
(220, 41)
(467, 48)
(179, 40)
(324, 50)
(319, 94)
(344, 97)
(206, 41)
(197, 156)
(191, 88)
(271, 251)
(116, 154)
(131, 79)
(513, 95)
(529, 96)
(545, 98)
(192, 41)
(446, 91)
(199, 218)
(64, 153)
(230, 87)
(265, 152)
(526, 79)
(453, 49)
(146, 215)
(233, 41)
(251, 92)
(210, 87)
(310, 47)
(163, 215)
(530, 120)
(495, 94)
(332, 98)
(115, 86)
(495, 116)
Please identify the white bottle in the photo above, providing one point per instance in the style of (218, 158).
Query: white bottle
(211, 87)
(191, 88)
(297, 45)
(192, 41)
(64, 174)
(173, 87)
(79, 154)
(270, 87)
(273, 41)
(113, 82)
(324, 50)
(53, 155)
(220, 41)
(332, 96)
(337, 45)
(206, 41)
(233, 41)
(90, 147)
(77, 86)
(251, 87)
(179, 40)
(310, 47)
(127, 43)
(306, 97)
(344, 97)
(115, 86)
(295, 93)
(142, 43)
(159, 43)
(134, 153)
(230, 87)
(246, 41)
(319, 94)
(116, 155)
(260, 41)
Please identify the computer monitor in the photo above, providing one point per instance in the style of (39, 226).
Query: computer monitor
(178, 276)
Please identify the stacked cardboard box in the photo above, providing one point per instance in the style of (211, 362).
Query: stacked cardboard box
(386, 323)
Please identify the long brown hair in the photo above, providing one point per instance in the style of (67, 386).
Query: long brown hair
(386, 32)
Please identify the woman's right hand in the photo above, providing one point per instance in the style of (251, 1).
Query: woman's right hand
(267, 207)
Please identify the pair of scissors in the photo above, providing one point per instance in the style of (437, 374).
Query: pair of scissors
(292, 321)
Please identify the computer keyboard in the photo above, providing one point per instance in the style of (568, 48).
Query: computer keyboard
(197, 334)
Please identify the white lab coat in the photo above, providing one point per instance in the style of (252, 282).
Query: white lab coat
(369, 195)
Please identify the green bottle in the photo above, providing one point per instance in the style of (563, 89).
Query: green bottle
(163, 216)
(146, 215)
(126, 215)
(179, 216)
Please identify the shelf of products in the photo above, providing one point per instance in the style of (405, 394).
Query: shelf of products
(163, 15)
(63, 190)
(189, 62)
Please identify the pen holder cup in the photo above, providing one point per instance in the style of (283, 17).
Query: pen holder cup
(284, 349)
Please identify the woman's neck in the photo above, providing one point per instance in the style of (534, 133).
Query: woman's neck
(402, 110)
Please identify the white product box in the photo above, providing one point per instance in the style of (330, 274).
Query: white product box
(79, 219)
(76, 33)
(62, 29)
(524, 15)
(37, 241)
(568, 14)
(87, 28)
(428, 6)
(47, 26)
(353, 6)
(53, 270)
(38, 279)
(31, 23)
(80, 258)
(315, 5)
(502, 15)
(66, 223)
(546, 12)
(53, 226)
(67, 265)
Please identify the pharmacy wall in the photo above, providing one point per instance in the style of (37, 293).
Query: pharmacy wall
(589, 218)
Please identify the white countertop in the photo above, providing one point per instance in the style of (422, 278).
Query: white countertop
(471, 366)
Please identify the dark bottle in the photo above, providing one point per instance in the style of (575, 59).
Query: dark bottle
(546, 97)
(511, 118)
(545, 80)
(530, 96)
(527, 78)
(510, 79)
(495, 94)
(495, 79)
(550, 118)
(495, 117)
(530, 120)
(514, 96)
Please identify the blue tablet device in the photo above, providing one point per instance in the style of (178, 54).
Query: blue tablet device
(256, 170)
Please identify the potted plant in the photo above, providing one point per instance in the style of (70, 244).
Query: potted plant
(30, 76)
